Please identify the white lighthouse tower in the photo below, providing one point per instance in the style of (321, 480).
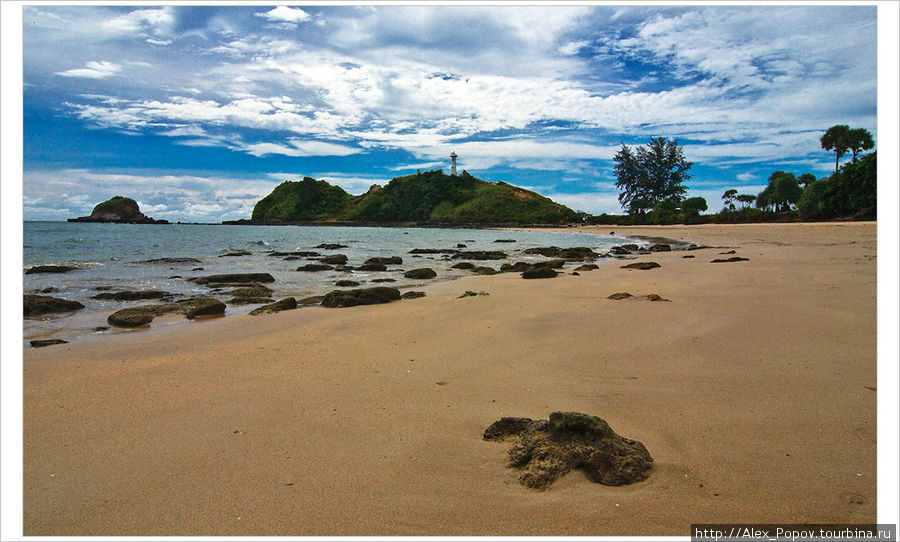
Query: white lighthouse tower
(453, 156)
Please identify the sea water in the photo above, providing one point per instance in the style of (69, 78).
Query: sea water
(113, 257)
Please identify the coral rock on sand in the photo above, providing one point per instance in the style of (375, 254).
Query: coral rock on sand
(546, 450)
(587, 267)
(659, 247)
(132, 295)
(34, 305)
(732, 259)
(362, 296)
(38, 343)
(641, 265)
(412, 295)
(539, 273)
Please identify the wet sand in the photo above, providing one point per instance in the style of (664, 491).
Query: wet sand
(753, 390)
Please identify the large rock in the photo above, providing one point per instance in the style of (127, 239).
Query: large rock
(50, 269)
(233, 278)
(35, 305)
(256, 290)
(420, 274)
(660, 247)
(362, 296)
(120, 210)
(372, 267)
(330, 246)
(545, 450)
(190, 308)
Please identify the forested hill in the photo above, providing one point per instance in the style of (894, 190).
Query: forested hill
(423, 197)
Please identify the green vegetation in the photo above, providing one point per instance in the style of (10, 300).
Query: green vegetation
(841, 138)
(116, 205)
(651, 177)
(430, 196)
(308, 200)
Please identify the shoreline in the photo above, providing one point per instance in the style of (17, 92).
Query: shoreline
(750, 389)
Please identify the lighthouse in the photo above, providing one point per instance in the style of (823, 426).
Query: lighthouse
(453, 156)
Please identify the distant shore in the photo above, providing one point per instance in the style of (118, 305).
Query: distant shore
(753, 388)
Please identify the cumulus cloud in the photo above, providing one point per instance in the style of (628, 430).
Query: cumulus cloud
(93, 70)
(285, 14)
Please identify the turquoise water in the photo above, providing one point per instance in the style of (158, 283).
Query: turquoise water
(110, 257)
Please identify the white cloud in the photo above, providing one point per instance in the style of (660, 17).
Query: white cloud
(141, 21)
(745, 177)
(154, 41)
(285, 14)
(93, 70)
(297, 147)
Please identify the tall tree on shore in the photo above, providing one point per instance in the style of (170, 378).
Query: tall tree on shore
(806, 179)
(858, 140)
(648, 176)
(837, 140)
(729, 197)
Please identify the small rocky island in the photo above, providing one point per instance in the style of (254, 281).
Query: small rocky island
(119, 210)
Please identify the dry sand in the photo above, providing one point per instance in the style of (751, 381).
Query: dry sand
(753, 389)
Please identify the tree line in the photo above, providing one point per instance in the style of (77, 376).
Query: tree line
(651, 182)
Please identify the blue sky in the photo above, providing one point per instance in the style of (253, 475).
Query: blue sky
(198, 112)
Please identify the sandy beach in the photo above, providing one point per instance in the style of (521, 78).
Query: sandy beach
(754, 389)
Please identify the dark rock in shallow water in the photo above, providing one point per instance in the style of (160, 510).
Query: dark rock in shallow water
(35, 305)
(238, 253)
(50, 269)
(463, 265)
(460, 245)
(48, 290)
(587, 267)
(641, 265)
(129, 295)
(234, 278)
(363, 296)
(257, 290)
(313, 267)
(504, 240)
(384, 260)
(619, 250)
(246, 300)
(38, 343)
(412, 295)
(384, 280)
(546, 450)
(291, 258)
(484, 270)
(190, 308)
(334, 259)
(632, 247)
(539, 273)
(480, 255)
(688, 256)
(372, 267)
(331, 246)
(660, 247)
(433, 251)
(295, 253)
(171, 260)
(346, 283)
(572, 253)
(732, 259)
(310, 301)
(423, 273)
(285, 304)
